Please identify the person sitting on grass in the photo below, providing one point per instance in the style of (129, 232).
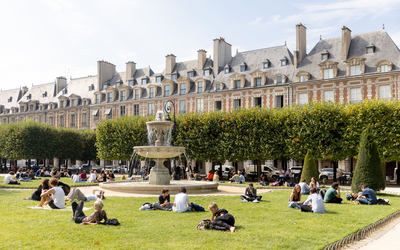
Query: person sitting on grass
(235, 178)
(181, 203)
(250, 194)
(76, 193)
(216, 176)
(23, 176)
(369, 194)
(43, 186)
(83, 176)
(242, 178)
(317, 204)
(197, 177)
(210, 175)
(163, 201)
(221, 219)
(65, 187)
(39, 172)
(314, 184)
(92, 176)
(10, 179)
(295, 198)
(304, 187)
(94, 219)
(110, 176)
(57, 198)
(75, 178)
(333, 194)
(32, 175)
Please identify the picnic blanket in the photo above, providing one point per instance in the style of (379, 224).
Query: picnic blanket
(46, 207)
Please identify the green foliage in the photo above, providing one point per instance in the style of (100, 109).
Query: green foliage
(309, 168)
(368, 169)
(88, 147)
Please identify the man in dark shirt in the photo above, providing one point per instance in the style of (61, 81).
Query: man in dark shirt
(370, 197)
(221, 219)
(250, 194)
(163, 201)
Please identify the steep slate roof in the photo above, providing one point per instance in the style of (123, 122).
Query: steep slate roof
(6, 94)
(80, 86)
(37, 92)
(254, 60)
(385, 49)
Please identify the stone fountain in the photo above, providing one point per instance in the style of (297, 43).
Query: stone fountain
(159, 175)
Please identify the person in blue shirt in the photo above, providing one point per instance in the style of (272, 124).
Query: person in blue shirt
(369, 194)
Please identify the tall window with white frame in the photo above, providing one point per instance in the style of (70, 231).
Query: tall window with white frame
(257, 102)
(183, 89)
(384, 68)
(72, 125)
(61, 121)
(218, 105)
(355, 95)
(97, 99)
(218, 87)
(123, 95)
(278, 79)
(200, 87)
(166, 90)
(122, 110)
(279, 101)
(150, 110)
(237, 84)
(302, 78)
(158, 79)
(84, 117)
(384, 92)
(328, 96)
(109, 99)
(182, 106)
(144, 81)
(257, 82)
(136, 109)
(355, 70)
(237, 103)
(328, 73)
(303, 98)
(199, 105)
(151, 94)
(137, 94)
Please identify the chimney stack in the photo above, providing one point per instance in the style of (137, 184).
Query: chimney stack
(130, 70)
(346, 40)
(301, 44)
(170, 63)
(105, 71)
(24, 90)
(222, 54)
(201, 58)
(61, 82)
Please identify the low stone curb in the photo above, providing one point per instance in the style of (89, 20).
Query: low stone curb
(16, 187)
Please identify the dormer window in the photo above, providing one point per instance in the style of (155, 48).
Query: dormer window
(237, 84)
(9, 99)
(227, 69)
(131, 82)
(105, 86)
(45, 94)
(144, 81)
(174, 77)
(151, 93)
(123, 95)
(354, 70)
(284, 61)
(109, 97)
(183, 88)
(200, 87)
(217, 87)
(324, 55)
(118, 84)
(266, 64)
(355, 66)
(207, 72)
(190, 74)
(65, 91)
(370, 48)
(137, 94)
(280, 79)
(28, 97)
(97, 99)
(384, 66)
(242, 67)
(166, 90)
(91, 87)
(158, 79)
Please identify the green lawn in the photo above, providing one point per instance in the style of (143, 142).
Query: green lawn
(36, 183)
(265, 225)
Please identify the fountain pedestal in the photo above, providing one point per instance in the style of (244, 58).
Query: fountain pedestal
(159, 175)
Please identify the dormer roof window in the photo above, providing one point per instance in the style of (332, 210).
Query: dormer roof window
(174, 76)
(28, 97)
(243, 67)
(158, 79)
(45, 94)
(131, 83)
(284, 61)
(190, 74)
(91, 87)
(370, 48)
(9, 99)
(65, 91)
(118, 84)
(227, 69)
(324, 55)
(266, 64)
(144, 81)
(207, 72)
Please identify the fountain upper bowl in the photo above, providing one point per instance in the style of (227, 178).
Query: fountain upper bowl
(155, 152)
(160, 124)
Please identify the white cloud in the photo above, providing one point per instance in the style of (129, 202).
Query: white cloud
(255, 22)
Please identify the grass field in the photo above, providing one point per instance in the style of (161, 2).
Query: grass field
(265, 225)
(36, 183)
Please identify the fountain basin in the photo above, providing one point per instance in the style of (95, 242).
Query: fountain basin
(161, 152)
(160, 125)
(174, 186)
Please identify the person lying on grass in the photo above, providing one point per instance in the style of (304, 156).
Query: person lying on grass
(221, 219)
(295, 198)
(317, 203)
(57, 198)
(94, 219)
(75, 193)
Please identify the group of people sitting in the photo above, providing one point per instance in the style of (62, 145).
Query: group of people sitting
(104, 176)
(238, 178)
(284, 176)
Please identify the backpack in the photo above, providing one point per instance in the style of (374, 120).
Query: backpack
(112, 222)
(204, 224)
(383, 202)
(322, 193)
(197, 207)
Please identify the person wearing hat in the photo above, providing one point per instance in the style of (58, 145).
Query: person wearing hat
(250, 194)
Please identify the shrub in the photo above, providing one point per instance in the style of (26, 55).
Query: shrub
(309, 168)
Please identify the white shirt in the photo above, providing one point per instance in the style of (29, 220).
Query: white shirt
(282, 173)
(304, 187)
(181, 201)
(242, 179)
(75, 179)
(317, 205)
(59, 197)
(91, 197)
(8, 178)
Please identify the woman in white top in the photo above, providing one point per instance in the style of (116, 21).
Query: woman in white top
(57, 200)
(93, 176)
(314, 184)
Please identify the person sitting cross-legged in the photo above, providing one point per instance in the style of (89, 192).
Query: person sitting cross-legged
(163, 201)
(304, 187)
(250, 194)
(317, 204)
(181, 203)
(80, 218)
(221, 219)
(10, 179)
(369, 194)
(57, 198)
(235, 178)
(333, 194)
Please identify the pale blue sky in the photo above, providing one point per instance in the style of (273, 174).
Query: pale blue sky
(43, 39)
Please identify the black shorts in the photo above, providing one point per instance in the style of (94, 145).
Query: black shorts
(52, 205)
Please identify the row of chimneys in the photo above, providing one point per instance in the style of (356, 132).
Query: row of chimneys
(301, 41)
(222, 55)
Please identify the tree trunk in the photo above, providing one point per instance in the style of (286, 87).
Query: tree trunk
(335, 165)
(397, 173)
(351, 165)
(258, 170)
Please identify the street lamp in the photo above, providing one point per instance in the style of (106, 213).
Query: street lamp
(167, 109)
